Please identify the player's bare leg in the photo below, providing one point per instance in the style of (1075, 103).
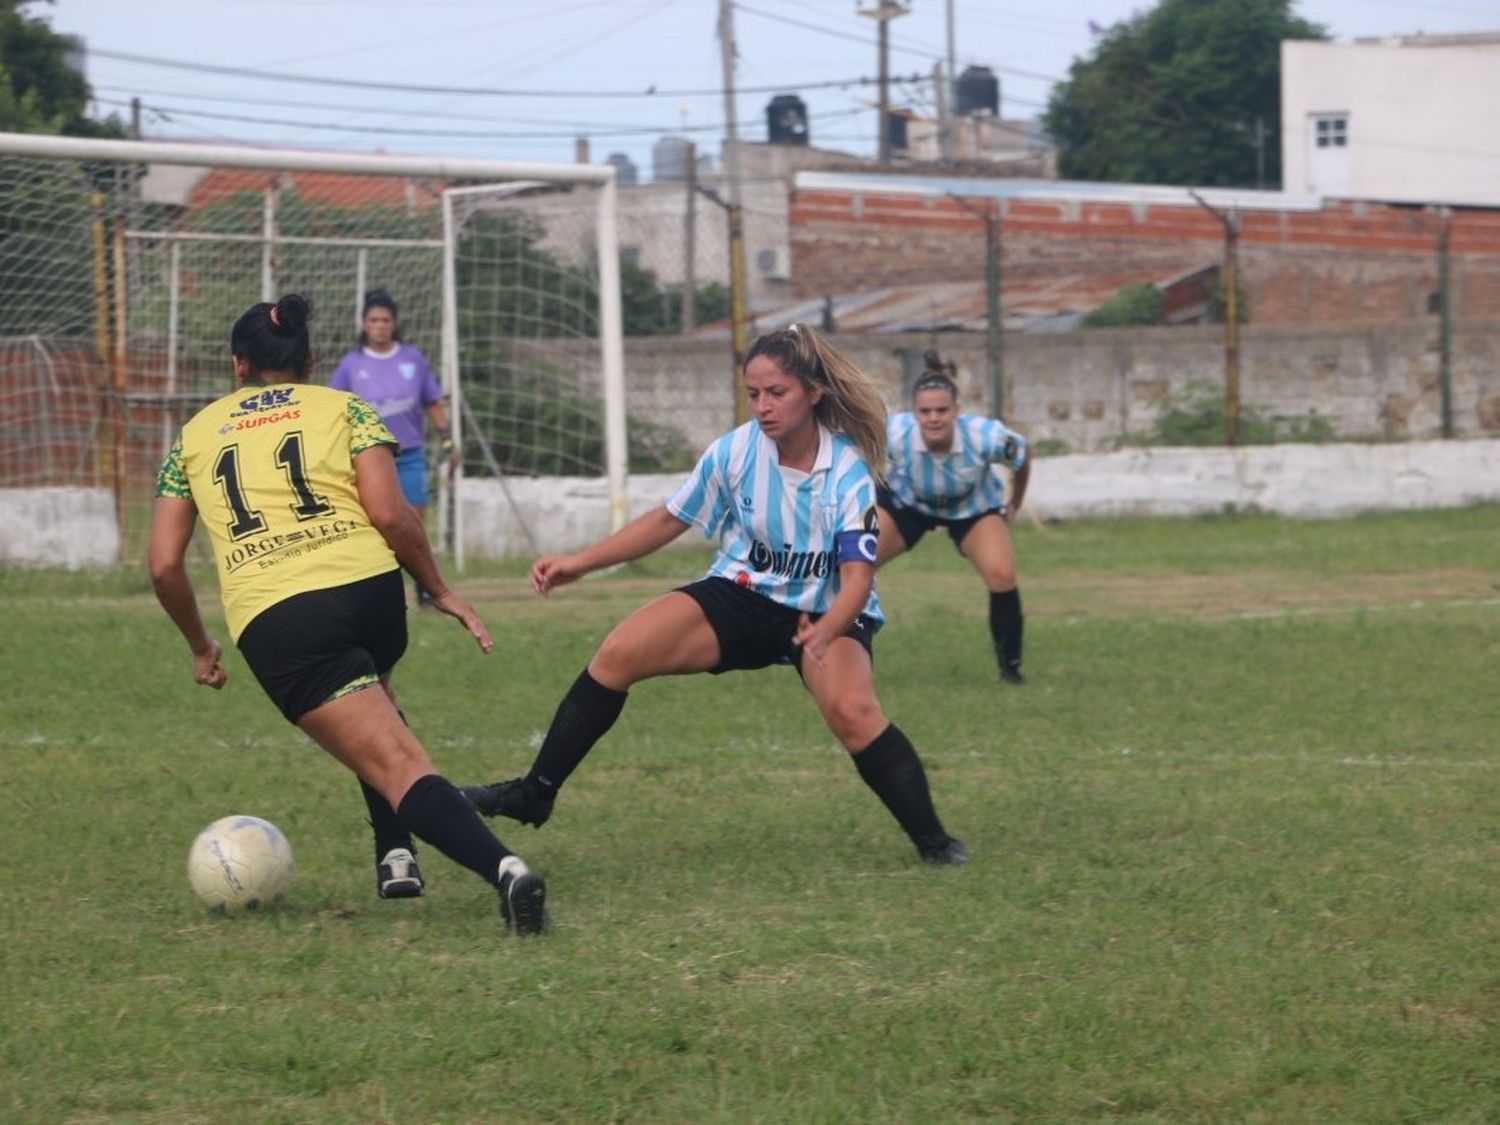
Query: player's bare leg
(843, 686)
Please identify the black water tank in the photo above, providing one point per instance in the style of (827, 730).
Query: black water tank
(786, 120)
(895, 129)
(978, 92)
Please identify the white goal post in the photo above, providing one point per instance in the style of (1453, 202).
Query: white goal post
(125, 261)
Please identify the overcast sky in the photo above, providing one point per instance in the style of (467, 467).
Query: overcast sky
(605, 55)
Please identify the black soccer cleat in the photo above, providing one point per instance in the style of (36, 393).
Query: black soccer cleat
(523, 897)
(943, 851)
(1011, 673)
(398, 876)
(513, 798)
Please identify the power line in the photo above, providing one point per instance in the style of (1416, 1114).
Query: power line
(853, 37)
(171, 113)
(472, 91)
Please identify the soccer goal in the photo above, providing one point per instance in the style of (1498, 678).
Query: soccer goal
(123, 265)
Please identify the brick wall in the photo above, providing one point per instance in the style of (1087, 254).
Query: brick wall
(1351, 261)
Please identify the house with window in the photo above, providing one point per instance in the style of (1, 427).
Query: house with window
(1407, 119)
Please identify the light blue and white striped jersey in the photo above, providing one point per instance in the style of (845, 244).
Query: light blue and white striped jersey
(956, 485)
(783, 533)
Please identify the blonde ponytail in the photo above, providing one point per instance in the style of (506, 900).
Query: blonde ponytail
(850, 404)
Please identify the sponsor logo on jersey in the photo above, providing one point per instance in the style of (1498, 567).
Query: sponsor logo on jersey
(408, 370)
(790, 563)
(259, 420)
(272, 398)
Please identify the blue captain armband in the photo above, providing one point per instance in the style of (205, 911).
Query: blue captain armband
(854, 546)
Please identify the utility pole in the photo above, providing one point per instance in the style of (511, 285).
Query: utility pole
(947, 92)
(993, 339)
(1231, 277)
(1445, 319)
(883, 13)
(690, 244)
(739, 341)
(945, 114)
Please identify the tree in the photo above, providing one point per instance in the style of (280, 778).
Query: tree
(1186, 93)
(39, 91)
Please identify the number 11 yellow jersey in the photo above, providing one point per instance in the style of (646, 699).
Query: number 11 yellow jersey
(270, 469)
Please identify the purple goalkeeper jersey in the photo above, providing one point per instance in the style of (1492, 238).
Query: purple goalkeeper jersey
(400, 386)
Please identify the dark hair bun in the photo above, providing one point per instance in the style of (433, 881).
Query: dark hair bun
(292, 313)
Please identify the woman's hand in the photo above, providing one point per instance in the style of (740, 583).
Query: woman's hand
(551, 571)
(810, 638)
(208, 668)
(454, 606)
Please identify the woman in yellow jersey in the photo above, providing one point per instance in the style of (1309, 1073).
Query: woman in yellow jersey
(297, 487)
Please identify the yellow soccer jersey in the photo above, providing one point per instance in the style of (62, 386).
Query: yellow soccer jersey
(270, 469)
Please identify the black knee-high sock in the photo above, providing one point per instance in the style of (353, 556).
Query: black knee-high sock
(890, 767)
(585, 714)
(1006, 626)
(436, 812)
(389, 832)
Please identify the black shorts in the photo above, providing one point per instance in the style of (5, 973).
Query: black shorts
(913, 524)
(754, 631)
(308, 647)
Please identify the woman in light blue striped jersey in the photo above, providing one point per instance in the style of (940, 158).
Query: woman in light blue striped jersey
(942, 474)
(790, 497)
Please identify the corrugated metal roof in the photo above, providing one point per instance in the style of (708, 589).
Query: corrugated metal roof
(1083, 191)
(1049, 304)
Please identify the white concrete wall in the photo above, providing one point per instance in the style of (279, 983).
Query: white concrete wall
(1292, 480)
(69, 527)
(1422, 120)
(75, 527)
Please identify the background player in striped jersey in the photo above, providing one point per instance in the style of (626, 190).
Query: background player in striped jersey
(942, 475)
(791, 499)
(296, 485)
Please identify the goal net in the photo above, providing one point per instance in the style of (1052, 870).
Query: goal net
(123, 266)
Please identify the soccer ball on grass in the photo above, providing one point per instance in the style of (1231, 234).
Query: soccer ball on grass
(240, 863)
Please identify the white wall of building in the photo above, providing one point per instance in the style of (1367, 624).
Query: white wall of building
(1422, 122)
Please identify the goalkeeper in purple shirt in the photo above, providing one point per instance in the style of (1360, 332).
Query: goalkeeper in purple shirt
(396, 379)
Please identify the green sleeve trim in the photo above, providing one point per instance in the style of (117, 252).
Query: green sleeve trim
(366, 427)
(172, 479)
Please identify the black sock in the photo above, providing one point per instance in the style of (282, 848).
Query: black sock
(585, 714)
(890, 767)
(1006, 627)
(435, 811)
(389, 832)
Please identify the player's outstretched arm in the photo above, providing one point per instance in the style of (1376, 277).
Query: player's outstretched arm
(397, 521)
(172, 523)
(648, 532)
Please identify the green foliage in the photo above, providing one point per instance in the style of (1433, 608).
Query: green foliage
(1218, 305)
(1173, 95)
(535, 426)
(1195, 416)
(39, 91)
(1133, 306)
(1212, 881)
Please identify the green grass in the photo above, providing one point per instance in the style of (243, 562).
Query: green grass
(1235, 859)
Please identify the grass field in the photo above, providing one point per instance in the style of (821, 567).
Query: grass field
(1236, 854)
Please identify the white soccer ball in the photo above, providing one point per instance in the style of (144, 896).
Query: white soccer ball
(240, 863)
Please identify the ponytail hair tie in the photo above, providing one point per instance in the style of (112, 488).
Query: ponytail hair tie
(275, 319)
